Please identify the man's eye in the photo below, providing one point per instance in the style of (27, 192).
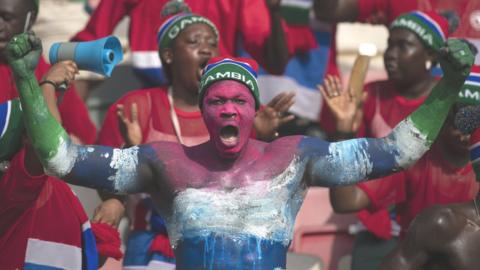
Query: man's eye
(239, 101)
(216, 102)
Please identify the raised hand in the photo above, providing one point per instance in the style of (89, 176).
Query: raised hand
(22, 53)
(62, 73)
(456, 60)
(271, 117)
(110, 212)
(342, 103)
(130, 128)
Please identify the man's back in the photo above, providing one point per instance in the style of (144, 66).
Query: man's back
(441, 237)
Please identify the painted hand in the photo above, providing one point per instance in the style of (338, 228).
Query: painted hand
(23, 52)
(343, 104)
(130, 128)
(271, 117)
(456, 60)
(110, 212)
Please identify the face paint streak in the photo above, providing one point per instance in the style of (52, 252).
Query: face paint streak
(265, 210)
(409, 142)
(62, 162)
(124, 162)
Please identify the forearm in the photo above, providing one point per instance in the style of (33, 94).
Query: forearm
(276, 49)
(112, 170)
(48, 138)
(348, 199)
(414, 135)
(349, 162)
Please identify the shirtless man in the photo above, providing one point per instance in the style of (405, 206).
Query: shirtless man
(443, 237)
(231, 203)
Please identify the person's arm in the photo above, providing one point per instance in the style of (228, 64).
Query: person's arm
(336, 10)
(104, 19)
(349, 162)
(276, 48)
(114, 170)
(348, 199)
(432, 231)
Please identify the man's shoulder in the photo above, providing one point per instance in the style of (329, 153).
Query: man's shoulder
(444, 222)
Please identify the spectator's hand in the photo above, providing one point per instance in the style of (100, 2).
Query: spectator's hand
(22, 53)
(110, 212)
(273, 4)
(130, 128)
(62, 73)
(343, 105)
(456, 60)
(271, 117)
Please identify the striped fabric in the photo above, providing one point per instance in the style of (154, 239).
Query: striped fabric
(51, 255)
(175, 24)
(431, 28)
(11, 128)
(470, 93)
(432, 23)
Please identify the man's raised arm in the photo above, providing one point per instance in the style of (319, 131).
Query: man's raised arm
(114, 170)
(349, 162)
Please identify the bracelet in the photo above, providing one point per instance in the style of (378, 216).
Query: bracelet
(55, 86)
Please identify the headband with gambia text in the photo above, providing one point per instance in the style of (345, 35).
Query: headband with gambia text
(174, 25)
(243, 70)
(430, 27)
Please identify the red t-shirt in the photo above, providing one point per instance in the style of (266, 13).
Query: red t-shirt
(75, 118)
(155, 120)
(384, 109)
(41, 209)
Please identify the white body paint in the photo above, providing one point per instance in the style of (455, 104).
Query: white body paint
(265, 210)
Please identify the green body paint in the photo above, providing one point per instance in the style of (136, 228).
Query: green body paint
(429, 117)
(44, 131)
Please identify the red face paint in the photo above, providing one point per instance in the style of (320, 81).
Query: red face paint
(228, 112)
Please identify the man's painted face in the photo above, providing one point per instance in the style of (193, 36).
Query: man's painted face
(229, 111)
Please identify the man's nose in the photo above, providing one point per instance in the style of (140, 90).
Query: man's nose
(206, 50)
(228, 111)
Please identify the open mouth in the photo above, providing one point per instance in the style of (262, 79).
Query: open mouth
(229, 135)
(202, 66)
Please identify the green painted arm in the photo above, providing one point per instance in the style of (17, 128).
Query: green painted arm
(456, 60)
(47, 135)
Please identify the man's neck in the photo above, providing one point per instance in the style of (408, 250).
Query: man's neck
(185, 99)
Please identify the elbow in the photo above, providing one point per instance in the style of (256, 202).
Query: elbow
(59, 163)
(348, 199)
(345, 208)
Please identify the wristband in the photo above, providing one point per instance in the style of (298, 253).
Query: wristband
(55, 86)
